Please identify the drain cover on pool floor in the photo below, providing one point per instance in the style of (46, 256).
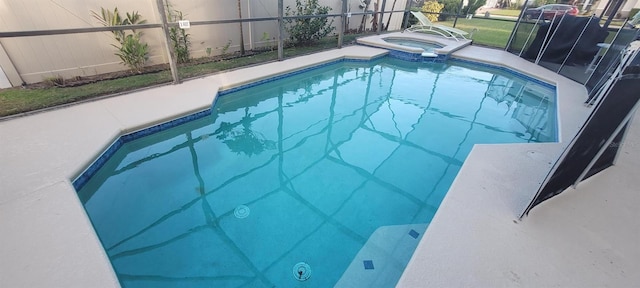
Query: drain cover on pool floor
(301, 271)
(242, 211)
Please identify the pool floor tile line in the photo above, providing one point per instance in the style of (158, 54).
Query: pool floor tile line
(368, 264)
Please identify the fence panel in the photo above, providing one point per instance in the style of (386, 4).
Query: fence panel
(87, 53)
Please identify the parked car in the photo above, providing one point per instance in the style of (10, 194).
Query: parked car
(549, 11)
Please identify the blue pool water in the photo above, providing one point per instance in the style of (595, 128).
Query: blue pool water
(426, 46)
(326, 178)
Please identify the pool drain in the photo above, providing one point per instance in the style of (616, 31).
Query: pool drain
(242, 211)
(301, 271)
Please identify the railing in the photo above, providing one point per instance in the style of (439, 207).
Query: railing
(167, 49)
(566, 45)
(517, 37)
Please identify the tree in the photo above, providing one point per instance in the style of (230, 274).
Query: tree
(432, 9)
(450, 8)
(241, 139)
(393, 7)
(473, 6)
(365, 8)
(241, 34)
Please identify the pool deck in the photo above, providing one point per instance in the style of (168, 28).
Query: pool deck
(584, 237)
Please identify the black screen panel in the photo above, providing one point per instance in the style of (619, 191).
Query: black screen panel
(603, 123)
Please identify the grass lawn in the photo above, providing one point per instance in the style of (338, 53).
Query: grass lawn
(491, 32)
(506, 12)
(19, 100)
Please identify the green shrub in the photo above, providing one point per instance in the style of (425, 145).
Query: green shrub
(430, 7)
(308, 30)
(131, 50)
(450, 9)
(270, 42)
(225, 48)
(54, 81)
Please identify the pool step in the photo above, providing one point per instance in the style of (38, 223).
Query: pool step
(382, 259)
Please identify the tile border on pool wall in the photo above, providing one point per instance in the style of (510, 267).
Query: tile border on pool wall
(275, 77)
(417, 57)
(520, 75)
(506, 69)
(93, 168)
(413, 57)
(293, 73)
(441, 58)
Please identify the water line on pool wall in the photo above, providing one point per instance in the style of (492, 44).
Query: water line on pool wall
(301, 271)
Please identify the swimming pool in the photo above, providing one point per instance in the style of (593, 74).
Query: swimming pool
(341, 168)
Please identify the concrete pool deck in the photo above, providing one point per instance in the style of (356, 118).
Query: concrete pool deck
(581, 238)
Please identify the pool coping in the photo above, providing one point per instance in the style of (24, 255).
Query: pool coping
(47, 232)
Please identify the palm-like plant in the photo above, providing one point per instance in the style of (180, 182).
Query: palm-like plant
(178, 36)
(131, 50)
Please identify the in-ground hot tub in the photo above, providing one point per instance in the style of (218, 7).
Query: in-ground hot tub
(414, 46)
(427, 47)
